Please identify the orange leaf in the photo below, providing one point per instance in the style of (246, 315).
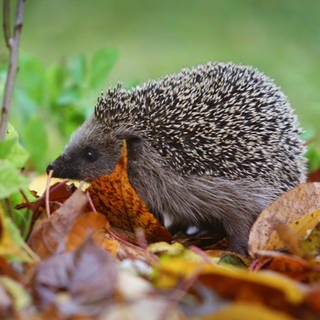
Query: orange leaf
(114, 196)
(94, 224)
(286, 210)
(292, 266)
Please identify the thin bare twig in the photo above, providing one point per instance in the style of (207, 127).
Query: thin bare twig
(13, 46)
(6, 22)
(47, 193)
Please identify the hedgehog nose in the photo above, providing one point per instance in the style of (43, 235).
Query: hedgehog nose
(49, 168)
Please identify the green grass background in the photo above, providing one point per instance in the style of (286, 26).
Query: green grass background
(280, 37)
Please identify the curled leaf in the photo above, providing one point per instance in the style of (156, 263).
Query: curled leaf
(286, 210)
(114, 196)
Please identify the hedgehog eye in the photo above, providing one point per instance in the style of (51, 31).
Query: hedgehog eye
(90, 154)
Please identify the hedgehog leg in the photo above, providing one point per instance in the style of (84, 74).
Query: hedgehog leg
(238, 237)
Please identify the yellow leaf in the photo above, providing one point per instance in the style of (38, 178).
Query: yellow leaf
(39, 183)
(256, 286)
(295, 230)
(20, 297)
(286, 210)
(165, 247)
(240, 311)
(9, 246)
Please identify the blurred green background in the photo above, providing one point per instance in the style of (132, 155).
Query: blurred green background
(73, 49)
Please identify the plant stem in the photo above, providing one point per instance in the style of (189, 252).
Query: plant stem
(13, 46)
(6, 22)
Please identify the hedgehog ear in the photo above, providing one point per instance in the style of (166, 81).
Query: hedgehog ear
(134, 144)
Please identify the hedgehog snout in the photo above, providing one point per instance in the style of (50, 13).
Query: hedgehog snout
(60, 168)
(50, 167)
(55, 167)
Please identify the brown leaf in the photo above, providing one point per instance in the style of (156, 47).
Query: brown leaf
(95, 224)
(313, 299)
(287, 209)
(292, 266)
(6, 269)
(58, 194)
(81, 282)
(314, 176)
(51, 232)
(114, 196)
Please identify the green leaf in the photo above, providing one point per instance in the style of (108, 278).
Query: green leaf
(11, 179)
(101, 64)
(24, 106)
(55, 83)
(77, 72)
(36, 140)
(313, 156)
(11, 150)
(68, 97)
(231, 259)
(32, 77)
(21, 217)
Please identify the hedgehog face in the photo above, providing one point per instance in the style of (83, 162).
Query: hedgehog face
(92, 151)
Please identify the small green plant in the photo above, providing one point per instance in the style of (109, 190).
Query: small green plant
(13, 184)
(50, 102)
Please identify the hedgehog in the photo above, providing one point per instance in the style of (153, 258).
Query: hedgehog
(210, 146)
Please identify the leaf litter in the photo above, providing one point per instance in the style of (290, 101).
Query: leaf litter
(99, 253)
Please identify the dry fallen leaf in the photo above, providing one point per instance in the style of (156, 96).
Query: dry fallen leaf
(81, 282)
(267, 288)
(58, 193)
(287, 209)
(51, 232)
(310, 244)
(292, 266)
(94, 224)
(290, 235)
(114, 196)
(313, 299)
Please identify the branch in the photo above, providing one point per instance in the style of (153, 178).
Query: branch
(13, 46)
(6, 22)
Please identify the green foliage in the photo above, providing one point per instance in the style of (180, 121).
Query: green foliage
(313, 156)
(50, 102)
(313, 149)
(10, 179)
(36, 140)
(12, 158)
